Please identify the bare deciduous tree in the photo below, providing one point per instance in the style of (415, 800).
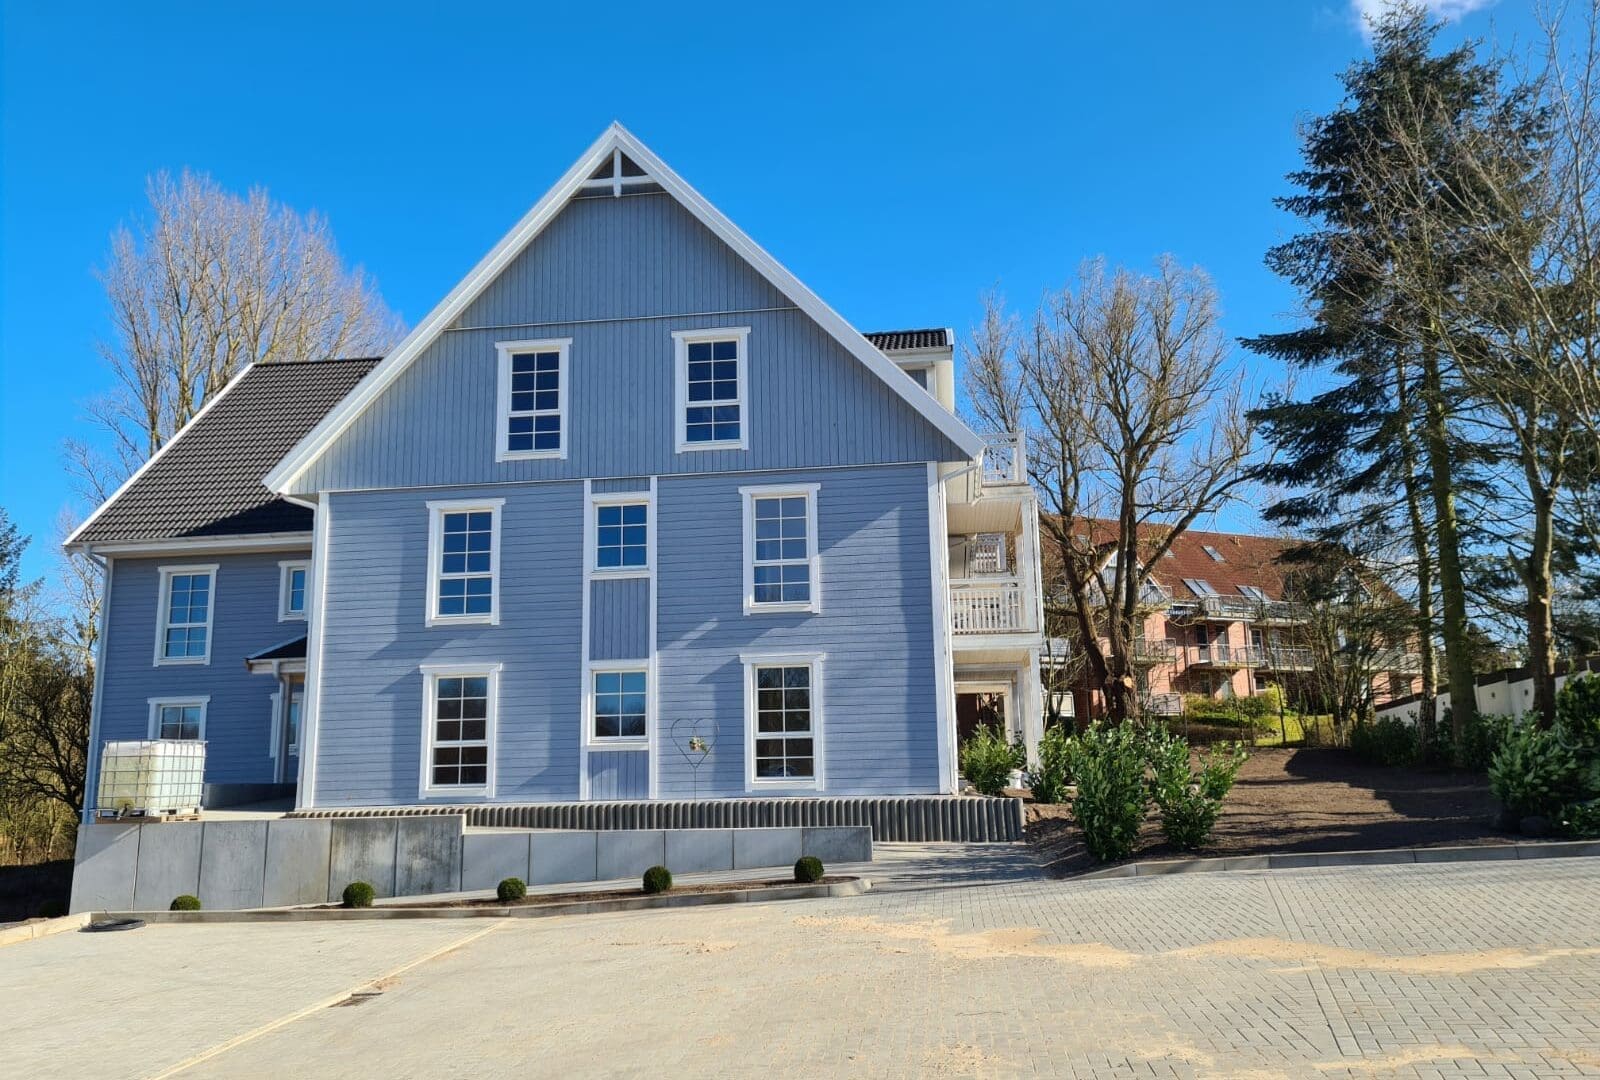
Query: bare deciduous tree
(1136, 418)
(207, 283)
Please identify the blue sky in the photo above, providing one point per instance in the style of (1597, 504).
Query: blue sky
(899, 158)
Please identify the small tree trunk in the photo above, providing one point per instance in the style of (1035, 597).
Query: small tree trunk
(1452, 583)
(1540, 614)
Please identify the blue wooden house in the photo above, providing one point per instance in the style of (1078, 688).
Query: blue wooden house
(631, 514)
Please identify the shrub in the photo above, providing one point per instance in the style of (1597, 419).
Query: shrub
(657, 879)
(1387, 741)
(511, 890)
(1481, 738)
(357, 894)
(1107, 763)
(988, 761)
(808, 869)
(1578, 711)
(1189, 804)
(1049, 781)
(1582, 820)
(1257, 713)
(184, 903)
(1533, 773)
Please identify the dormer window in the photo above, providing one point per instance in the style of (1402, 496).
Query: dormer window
(710, 397)
(532, 399)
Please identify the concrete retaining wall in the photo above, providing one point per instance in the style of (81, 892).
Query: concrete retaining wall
(287, 861)
(964, 819)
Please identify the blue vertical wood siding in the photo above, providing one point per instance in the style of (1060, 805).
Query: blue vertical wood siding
(619, 619)
(875, 627)
(620, 484)
(619, 774)
(641, 269)
(370, 727)
(244, 622)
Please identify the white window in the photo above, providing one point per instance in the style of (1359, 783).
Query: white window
(783, 721)
(458, 729)
(620, 534)
(178, 718)
(619, 700)
(183, 620)
(293, 576)
(780, 549)
(464, 562)
(710, 389)
(532, 399)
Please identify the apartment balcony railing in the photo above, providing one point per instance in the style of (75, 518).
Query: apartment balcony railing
(1286, 658)
(1244, 609)
(1005, 458)
(1154, 652)
(1161, 704)
(1398, 661)
(1219, 655)
(989, 607)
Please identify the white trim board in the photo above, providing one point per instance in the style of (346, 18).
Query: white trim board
(613, 139)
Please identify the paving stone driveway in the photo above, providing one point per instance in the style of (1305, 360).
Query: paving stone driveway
(1476, 969)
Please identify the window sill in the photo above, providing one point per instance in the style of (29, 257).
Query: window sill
(790, 608)
(689, 448)
(182, 661)
(618, 744)
(456, 793)
(620, 572)
(782, 785)
(463, 620)
(529, 455)
(294, 617)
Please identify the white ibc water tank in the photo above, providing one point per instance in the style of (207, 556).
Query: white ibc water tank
(151, 776)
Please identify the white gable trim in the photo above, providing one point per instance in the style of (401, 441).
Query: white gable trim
(615, 138)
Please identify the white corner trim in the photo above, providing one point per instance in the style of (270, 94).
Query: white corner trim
(681, 340)
(177, 701)
(944, 688)
(814, 660)
(437, 509)
(286, 568)
(749, 495)
(614, 138)
(311, 696)
(163, 603)
(431, 674)
(505, 350)
(72, 540)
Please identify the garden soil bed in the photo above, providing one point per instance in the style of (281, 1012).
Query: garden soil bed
(548, 899)
(1305, 800)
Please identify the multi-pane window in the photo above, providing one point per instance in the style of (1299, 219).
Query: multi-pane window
(622, 536)
(292, 590)
(784, 736)
(459, 731)
(619, 704)
(711, 395)
(533, 393)
(464, 562)
(185, 629)
(183, 720)
(780, 548)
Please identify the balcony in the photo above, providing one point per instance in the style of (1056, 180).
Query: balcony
(1154, 652)
(1397, 661)
(989, 606)
(1244, 609)
(1286, 658)
(1005, 459)
(1221, 655)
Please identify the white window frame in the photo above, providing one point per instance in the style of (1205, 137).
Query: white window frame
(781, 491)
(286, 570)
(502, 439)
(591, 533)
(431, 674)
(618, 742)
(178, 702)
(681, 340)
(437, 509)
(163, 606)
(814, 660)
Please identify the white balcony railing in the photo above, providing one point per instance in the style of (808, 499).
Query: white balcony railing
(988, 607)
(1219, 654)
(1147, 651)
(1244, 609)
(989, 553)
(1005, 458)
(1286, 658)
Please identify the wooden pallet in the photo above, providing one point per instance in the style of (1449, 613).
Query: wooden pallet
(189, 814)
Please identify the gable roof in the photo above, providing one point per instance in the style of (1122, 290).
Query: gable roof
(1247, 561)
(614, 144)
(206, 480)
(897, 340)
